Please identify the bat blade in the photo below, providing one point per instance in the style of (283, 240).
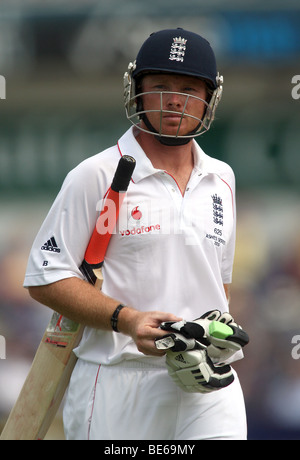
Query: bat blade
(54, 361)
(46, 382)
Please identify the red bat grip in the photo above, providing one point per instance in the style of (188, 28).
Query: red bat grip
(104, 228)
(95, 252)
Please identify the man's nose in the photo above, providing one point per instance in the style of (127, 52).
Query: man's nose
(175, 100)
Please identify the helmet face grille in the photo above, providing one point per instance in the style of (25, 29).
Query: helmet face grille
(136, 112)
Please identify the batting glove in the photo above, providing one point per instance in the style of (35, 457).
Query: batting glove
(218, 332)
(194, 372)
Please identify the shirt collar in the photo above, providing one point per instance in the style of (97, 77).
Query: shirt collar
(128, 145)
(202, 162)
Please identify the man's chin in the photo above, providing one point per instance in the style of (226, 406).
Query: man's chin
(173, 130)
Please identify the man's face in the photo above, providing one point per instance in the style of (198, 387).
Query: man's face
(167, 121)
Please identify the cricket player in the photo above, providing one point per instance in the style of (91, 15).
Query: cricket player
(148, 364)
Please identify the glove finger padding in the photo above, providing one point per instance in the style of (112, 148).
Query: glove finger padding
(197, 329)
(194, 372)
(225, 341)
(219, 332)
(177, 342)
(189, 329)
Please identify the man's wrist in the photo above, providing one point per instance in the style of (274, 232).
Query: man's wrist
(127, 319)
(115, 317)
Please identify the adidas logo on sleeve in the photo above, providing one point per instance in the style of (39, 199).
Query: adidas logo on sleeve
(51, 246)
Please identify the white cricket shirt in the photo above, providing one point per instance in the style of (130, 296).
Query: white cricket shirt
(170, 252)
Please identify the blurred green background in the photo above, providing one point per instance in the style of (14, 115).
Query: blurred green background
(63, 63)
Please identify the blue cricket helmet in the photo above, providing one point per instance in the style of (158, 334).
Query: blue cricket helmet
(174, 51)
(177, 51)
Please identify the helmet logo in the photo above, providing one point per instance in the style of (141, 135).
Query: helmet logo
(178, 49)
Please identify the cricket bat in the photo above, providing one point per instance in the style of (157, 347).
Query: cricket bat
(54, 361)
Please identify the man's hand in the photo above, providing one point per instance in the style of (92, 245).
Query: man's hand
(144, 328)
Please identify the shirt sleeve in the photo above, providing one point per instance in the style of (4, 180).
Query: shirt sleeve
(59, 247)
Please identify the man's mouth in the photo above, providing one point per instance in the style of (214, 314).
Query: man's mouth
(174, 115)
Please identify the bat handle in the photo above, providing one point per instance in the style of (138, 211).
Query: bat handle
(92, 275)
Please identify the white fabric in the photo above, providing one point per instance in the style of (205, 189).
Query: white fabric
(170, 252)
(102, 404)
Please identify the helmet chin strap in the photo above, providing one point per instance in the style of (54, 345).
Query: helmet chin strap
(170, 141)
